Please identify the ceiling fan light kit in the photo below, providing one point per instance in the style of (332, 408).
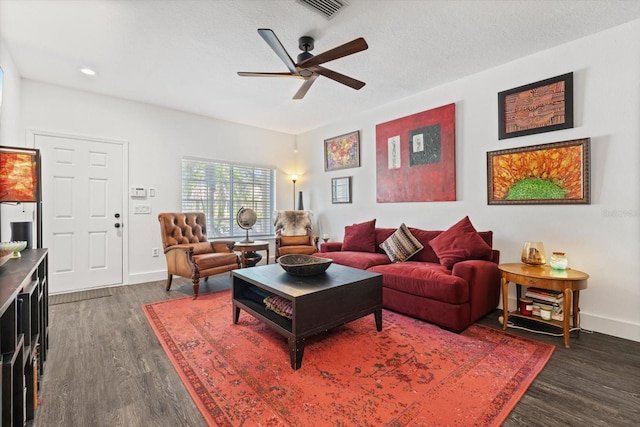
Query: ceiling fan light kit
(309, 66)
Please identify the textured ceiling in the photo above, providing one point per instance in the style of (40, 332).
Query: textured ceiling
(185, 54)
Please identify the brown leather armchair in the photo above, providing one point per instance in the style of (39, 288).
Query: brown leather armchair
(188, 253)
(294, 234)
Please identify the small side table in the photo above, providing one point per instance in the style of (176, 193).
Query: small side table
(569, 281)
(243, 248)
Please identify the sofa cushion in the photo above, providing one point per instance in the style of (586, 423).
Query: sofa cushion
(382, 234)
(424, 236)
(401, 245)
(360, 237)
(459, 243)
(487, 236)
(296, 249)
(294, 240)
(213, 260)
(422, 279)
(361, 260)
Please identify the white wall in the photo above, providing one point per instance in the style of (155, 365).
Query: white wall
(12, 135)
(157, 139)
(10, 108)
(601, 239)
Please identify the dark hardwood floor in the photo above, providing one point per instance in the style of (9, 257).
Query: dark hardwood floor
(105, 367)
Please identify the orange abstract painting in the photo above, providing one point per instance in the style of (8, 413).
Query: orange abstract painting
(18, 177)
(548, 173)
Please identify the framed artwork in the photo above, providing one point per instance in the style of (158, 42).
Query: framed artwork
(556, 173)
(342, 152)
(415, 157)
(341, 190)
(19, 174)
(538, 107)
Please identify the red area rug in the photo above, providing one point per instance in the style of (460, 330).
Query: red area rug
(410, 374)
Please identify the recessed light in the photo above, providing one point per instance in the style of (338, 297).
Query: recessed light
(87, 71)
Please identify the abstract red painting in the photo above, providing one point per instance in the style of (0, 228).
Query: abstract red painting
(18, 175)
(416, 157)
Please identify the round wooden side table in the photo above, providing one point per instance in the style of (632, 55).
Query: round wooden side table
(244, 247)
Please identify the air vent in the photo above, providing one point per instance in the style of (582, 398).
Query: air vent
(326, 8)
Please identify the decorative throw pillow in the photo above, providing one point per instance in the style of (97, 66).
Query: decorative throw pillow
(401, 245)
(360, 237)
(280, 305)
(459, 243)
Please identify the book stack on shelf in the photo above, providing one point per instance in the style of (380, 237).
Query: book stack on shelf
(544, 297)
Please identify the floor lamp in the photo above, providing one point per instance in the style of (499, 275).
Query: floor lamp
(294, 178)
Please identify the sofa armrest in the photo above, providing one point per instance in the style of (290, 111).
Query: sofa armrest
(185, 249)
(483, 278)
(495, 256)
(331, 247)
(222, 245)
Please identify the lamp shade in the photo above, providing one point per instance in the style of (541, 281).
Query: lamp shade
(18, 175)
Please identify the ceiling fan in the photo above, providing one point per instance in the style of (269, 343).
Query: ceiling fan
(308, 66)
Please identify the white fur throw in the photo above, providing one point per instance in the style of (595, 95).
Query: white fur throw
(293, 223)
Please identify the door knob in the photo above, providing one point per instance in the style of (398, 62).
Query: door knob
(116, 225)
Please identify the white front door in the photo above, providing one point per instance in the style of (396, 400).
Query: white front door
(82, 211)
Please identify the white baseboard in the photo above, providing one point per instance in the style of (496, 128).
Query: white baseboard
(606, 325)
(597, 323)
(150, 276)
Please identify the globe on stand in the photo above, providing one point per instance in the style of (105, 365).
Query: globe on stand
(246, 218)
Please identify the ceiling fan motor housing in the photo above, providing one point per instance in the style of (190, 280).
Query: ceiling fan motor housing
(306, 44)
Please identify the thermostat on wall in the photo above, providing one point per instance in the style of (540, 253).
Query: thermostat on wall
(138, 192)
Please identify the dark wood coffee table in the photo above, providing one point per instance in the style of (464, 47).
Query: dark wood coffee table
(321, 302)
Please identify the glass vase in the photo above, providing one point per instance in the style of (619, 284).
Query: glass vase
(533, 253)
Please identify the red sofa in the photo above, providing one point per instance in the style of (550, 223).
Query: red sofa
(452, 281)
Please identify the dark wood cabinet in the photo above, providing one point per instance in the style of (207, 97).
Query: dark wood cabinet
(24, 333)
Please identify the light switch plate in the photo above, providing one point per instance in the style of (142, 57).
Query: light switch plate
(142, 209)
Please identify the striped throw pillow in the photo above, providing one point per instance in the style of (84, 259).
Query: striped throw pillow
(401, 245)
(280, 305)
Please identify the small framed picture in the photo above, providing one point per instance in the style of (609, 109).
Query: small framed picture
(341, 190)
(342, 152)
(542, 106)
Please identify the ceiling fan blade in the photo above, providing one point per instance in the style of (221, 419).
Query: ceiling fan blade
(305, 87)
(340, 78)
(346, 49)
(272, 40)
(252, 74)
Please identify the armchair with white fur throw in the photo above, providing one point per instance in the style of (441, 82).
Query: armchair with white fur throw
(293, 233)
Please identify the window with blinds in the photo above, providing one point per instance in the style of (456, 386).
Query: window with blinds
(220, 189)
